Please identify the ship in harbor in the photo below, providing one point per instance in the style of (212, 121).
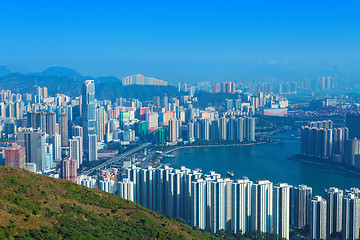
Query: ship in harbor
(231, 174)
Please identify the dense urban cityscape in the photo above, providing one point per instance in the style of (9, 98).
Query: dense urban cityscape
(86, 141)
(216, 120)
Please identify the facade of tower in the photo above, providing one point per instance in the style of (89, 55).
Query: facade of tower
(88, 116)
(69, 170)
(34, 142)
(317, 217)
(333, 198)
(301, 197)
(241, 205)
(351, 217)
(262, 206)
(281, 210)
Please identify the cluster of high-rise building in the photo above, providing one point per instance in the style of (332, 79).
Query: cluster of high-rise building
(224, 87)
(214, 203)
(139, 79)
(338, 145)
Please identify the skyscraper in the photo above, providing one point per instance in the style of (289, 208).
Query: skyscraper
(63, 125)
(262, 206)
(69, 170)
(333, 198)
(15, 157)
(88, 116)
(241, 205)
(317, 218)
(34, 142)
(281, 214)
(301, 197)
(351, 217)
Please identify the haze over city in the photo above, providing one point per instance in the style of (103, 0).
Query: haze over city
(180, 120)
(183, 41)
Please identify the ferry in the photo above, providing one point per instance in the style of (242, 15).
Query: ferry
(231, 174)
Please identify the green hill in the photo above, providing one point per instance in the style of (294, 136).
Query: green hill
(34, 206)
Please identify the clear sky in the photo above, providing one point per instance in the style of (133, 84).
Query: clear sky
(180, 40)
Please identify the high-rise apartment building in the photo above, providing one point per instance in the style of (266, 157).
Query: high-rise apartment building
(15, 157)
(334, 209)
(281, 210)
(69, 170)
(351, 217)
(301, 196)
(262, 206)
(317, 217)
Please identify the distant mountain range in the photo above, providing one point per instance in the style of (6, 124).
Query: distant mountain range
(68, 81)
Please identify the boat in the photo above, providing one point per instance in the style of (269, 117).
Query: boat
(169, 156)
(231, 174)
(185, 152)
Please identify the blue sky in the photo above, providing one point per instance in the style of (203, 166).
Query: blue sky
(180, 40)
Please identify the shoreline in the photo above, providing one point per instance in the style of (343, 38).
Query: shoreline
(214, 145)
(344, 169)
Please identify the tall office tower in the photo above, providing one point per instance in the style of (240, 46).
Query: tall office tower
(229, 104)
(317, 218)
(77, 131)
(333, 198)
(92, 147)
(351, 217)
(214, 130)
(240, 129)
(56, 142)
(198, 203)
(241, 205)
(157, 101)
(301, 196)
(353, 124)
(165, 102)
(69, 170)
(126, 189)
(88, 115)
(15, 157)
(75, 152)
(64, 130)
(223, 122)
(355, 191)
(174, 125)
(262, 206)
(89, 182)
(107, 185)
(51, 124)
(249, 129)
(340, 136)
(190, 131)
(34, 142)
(100, 121)
(352, 148)
(48, 156)
(281, 210)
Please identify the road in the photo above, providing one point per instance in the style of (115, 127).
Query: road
(116, 158)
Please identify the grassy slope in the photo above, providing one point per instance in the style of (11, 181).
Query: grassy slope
(40, 207)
